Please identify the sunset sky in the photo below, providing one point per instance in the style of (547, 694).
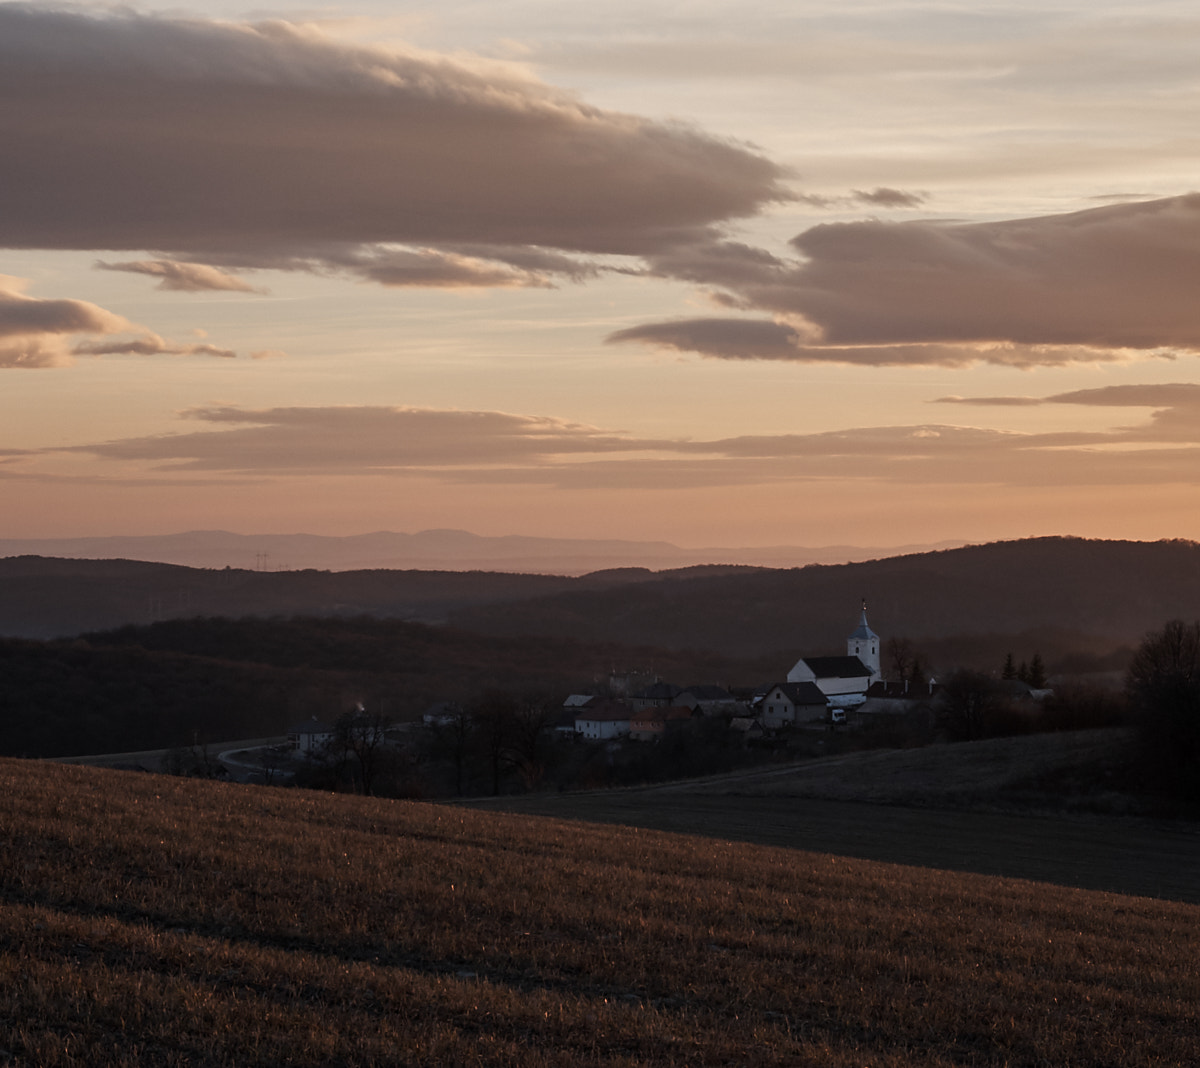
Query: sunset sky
(720, 274)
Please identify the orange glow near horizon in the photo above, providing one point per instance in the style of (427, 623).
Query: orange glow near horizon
(483, 278)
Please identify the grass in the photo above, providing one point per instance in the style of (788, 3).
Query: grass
(149, 920)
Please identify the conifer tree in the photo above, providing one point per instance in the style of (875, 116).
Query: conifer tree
(1037, 672)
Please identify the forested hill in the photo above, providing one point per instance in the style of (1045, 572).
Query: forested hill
(167, 684)
(1070, 593)
(46, 597)
(1055, 594)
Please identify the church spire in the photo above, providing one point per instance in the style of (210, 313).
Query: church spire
(864, 643)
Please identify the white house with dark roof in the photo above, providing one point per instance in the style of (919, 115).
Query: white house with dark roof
(310, 737)
(787, 703)
(603, 721)
(849, 676)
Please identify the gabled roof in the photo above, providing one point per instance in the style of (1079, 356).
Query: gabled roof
(707, 692)
(604, 712)
(650, 716)
(800, 693)
(312, 726)
(579, 700)
(836, 667)
(660, 691)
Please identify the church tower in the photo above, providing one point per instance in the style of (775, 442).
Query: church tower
(864, 643)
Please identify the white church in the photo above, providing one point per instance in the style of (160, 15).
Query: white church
(844, 680)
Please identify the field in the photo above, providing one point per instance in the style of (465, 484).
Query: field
(156, 921)
(1045, 807)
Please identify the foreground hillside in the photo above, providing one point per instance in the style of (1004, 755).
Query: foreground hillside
(161, 921)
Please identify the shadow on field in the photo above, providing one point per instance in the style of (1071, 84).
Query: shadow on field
(1117, 854)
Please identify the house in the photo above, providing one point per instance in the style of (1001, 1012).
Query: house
(788, 703)
(603, 721)
(651, 724)
(708, 700)
(751, 730)
(844, 679)
(576, 701)
(659, 695)
(310, 737)
(442, 714)
(563, 724)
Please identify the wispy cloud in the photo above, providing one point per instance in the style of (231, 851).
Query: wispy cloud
(181, 277)
(33, 331)
(150, 345)
(36, 332)
(499, 447)
(361, 439)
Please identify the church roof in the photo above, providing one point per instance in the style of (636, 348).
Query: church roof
(863, 632)
(836, 667)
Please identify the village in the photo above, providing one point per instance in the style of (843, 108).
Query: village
(634, 726)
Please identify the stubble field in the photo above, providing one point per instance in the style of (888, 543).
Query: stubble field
(149, 920)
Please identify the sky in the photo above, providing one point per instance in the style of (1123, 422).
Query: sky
(871, 273)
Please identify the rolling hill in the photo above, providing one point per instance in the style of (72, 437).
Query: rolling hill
(150, 920)
(1081, 604)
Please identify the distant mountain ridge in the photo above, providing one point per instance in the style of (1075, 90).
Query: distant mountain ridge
(436, 550)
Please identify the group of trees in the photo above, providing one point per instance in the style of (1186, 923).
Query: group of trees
(906, 664)
(1163, 685)
(503, 741)
(497, 736)
(1032, 673)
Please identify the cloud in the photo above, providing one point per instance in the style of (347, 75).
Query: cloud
(442, 270)
(33, 331)
(996, 402)
(482, 447)
(879, 197)
(1157, 395)
(149, 345)
(1161, 395)
(299, 149)
(183, 277)
(1109, 283)
(883, 197)
(729, 339)
(1176, 415)
(361, 440)
(22, 315)
(759, 339)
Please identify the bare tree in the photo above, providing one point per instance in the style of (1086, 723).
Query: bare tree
(494, 716)
(364, 735)
(453, 737)
(528, 738)
(901, 658)
(966, 702)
